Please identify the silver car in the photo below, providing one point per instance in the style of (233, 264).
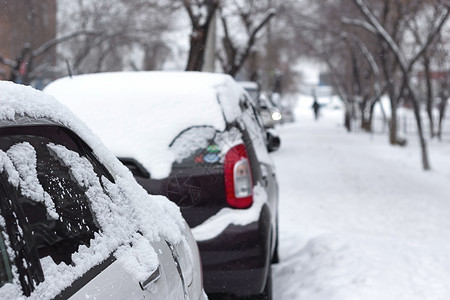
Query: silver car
(74, 224)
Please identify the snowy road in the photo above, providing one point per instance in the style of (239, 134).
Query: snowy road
(359, 219)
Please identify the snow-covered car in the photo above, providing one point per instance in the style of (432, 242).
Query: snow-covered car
(197, 139)
(269, 112)
(252, 88)
(74, 223)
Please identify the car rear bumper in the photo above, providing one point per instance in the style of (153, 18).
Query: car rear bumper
(237, 261)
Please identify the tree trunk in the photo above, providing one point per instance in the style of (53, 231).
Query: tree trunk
(197, 50)
(423, 144)
(442, 111)
(393, 138)
(370, 119)
(388, 70)
(426, 64)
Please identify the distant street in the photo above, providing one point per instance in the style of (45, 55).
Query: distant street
(359, 219)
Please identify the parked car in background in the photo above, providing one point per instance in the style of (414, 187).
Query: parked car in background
(270, 113)
(197, 139)
(74, 223)
(285, 104)
(252, 88)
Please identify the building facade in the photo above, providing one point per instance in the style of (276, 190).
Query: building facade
(24, 26)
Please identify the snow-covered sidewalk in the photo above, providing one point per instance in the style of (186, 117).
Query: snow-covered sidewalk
(359, 219)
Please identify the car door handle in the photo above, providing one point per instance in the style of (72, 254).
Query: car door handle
(151, 279)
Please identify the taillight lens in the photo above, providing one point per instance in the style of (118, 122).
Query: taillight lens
(238, 178)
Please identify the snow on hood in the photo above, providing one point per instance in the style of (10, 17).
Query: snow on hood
(138, 114)
(122, 209)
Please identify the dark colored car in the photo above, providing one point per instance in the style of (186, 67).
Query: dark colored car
(74, 224)
(209, 156)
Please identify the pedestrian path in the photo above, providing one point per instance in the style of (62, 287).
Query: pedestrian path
(359, 219)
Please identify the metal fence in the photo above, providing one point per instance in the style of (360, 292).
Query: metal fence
(407, 125)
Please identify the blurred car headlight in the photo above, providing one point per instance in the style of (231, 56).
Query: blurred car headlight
(276, 116)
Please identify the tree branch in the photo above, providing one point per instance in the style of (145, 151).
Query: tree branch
(360, 23)
(252, 38)
(53, 42)
(7, 62)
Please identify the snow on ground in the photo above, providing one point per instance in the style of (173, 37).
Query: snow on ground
(359, 219)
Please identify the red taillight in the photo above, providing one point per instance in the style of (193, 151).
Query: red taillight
(238, 178)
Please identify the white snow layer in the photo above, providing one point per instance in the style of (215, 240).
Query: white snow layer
(23, 157)
(148, 109)
(360, 219)
(216, 224)
(121, 211)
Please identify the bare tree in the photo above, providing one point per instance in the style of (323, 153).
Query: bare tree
(201, 13)
(248, 20)
(130, 34)
(405, 63)
(24, 65)
(350, 55)
(441, 59)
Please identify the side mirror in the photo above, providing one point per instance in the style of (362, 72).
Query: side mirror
(273, 141)
(243, 104)
(263, 106)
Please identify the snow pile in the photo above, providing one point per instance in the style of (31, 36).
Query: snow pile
(359, 219)
(216, 224)
(121, 208)
(138, 114)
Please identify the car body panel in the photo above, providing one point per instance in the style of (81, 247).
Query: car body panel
(115, 282)
(239, 257)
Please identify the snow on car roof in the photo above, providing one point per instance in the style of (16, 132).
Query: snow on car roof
(126, 203)
(249, 85)
(138, 114)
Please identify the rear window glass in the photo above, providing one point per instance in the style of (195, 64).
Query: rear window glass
(196, 147)
(203, 146)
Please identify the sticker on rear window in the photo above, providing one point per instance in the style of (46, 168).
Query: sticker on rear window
(198, 158)
(211, 158)
(213, 149)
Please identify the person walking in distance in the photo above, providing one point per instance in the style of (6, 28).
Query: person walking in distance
(315, 106)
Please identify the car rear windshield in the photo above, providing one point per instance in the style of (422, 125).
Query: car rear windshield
(197, 147)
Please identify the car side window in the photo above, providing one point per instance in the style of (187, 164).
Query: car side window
(254, 122)
(48, 180)
(72, 224)
(54, 203)
(16, 239)
(255, 115)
